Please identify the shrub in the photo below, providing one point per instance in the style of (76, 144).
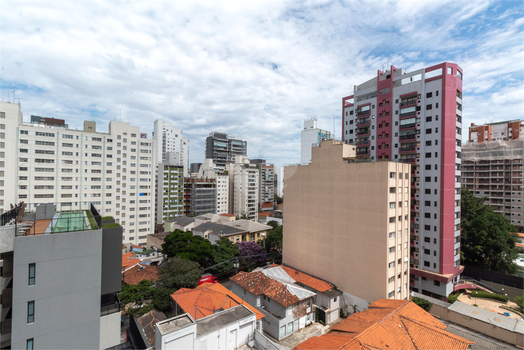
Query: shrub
(423, 303)
(453, 298)
(487, 295)
(519, 300)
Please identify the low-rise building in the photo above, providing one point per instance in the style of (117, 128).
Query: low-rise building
(139, 272)
(388, 324)
(286, 306)
(213, 232)
(255, 230)
(228, 329)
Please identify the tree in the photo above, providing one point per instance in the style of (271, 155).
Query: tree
(423, 303)
(243, 216)
(161, 300)
(273, 223)
(273, 240)
(278, 199)
(224, 250)
(250, 255)
(487, 240)
(136, 292)
(187, 246)
(181, 273)
(519, 300)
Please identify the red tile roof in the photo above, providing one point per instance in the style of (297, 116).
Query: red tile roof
(225, 214)
(139, 272)
(264, 214)
(304, 278)
(129, 259)
(258, 283)
(389, 324)
(208, 297)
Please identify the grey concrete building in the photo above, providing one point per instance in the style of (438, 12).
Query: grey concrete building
(223, 148)
(200, 196)
(61, 273)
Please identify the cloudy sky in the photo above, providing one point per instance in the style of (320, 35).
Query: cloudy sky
(255, 69)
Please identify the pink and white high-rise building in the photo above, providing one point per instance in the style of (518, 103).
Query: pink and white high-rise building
(416, 118)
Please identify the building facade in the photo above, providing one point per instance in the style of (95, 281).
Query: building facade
(494, 169)
(243, 188)
(171, 140)
(62, 271)
(311, 135)
(199, 196)
(266, 184)
(169, 192)
(416, 118)
(500, 131)
(208, 170)
(114, 170)
(348, 223)
(223, 148)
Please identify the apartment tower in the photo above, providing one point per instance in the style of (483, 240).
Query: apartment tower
(170, 192)
(311, 135)
(171, 140)
(416, 118)
(347, 222)
(223, 148)
(208, 170)
(49, 162)
(266, 184)
(243, 188)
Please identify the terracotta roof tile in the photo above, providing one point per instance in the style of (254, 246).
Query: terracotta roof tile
(389, 324)
(205, 299)
(139, 272)
(225, 214)
(304, 278)
(258, 283)
(129, 259)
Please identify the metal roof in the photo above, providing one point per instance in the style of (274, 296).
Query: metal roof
(493, 318)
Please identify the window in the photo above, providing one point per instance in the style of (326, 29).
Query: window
(429, 94)
(392, 235)
(436, 283)
(391, 249)
(282, 331)
(30, 311)
(428, 119)
(29, 345)
(427, 179)
(391, 205)
(391, 264)
(426, 263)
(450, 70)
(428, 131)
(32, 274)
(391, 294)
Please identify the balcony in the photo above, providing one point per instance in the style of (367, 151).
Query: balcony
(409, 148)
(407, 126)
(406, 138)
(362, 143)
(408, 160)
(365, 132)
(363, 152)
(363, 123)
(359, 113)
(408, 114)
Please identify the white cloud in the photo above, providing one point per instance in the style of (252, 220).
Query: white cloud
(255, 69)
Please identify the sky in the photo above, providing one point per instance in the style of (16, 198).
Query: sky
(254, 69)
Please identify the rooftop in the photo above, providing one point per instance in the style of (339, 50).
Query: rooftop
(222, 319)
(226, 214)
(207, 298)
(140, 272)
(218, 229)
(279, 289)
(305, 279)
(147, 323)
(388, 324)
(248, 225)
(184, 221)
(174, 323)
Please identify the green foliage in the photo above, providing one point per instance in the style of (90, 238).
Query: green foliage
(222, 251)
(187, 246)
(487, 295)
(453, 297)
(273, 240)
(242, 217)
(423, 303)
(278, 199)
(114, 224)
(136, 293)
(181, 273)
(161, 299)
(519, 300)
(487, 240)
(91, 220)
(107, 218)
(274, 224)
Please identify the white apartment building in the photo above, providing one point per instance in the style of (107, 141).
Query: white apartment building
(209, 170)
(310, 136)
(416, 118)
(243, 187)
(171, 140)
(114, 170)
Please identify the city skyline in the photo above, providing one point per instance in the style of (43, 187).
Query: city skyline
(223, 67)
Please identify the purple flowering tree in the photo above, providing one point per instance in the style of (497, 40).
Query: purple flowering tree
(250, 255)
